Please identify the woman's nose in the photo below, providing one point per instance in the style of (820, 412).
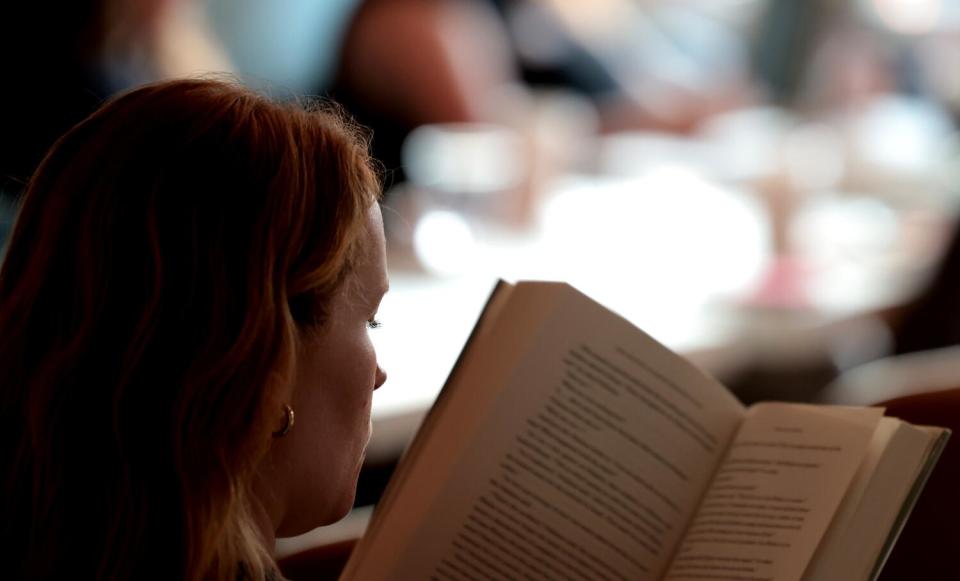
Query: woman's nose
(381, 377)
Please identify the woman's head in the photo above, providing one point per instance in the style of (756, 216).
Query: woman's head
(310, 474)
(177, 273)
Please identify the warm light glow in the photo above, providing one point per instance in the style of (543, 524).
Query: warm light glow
(444, 243)
(909, 16)
(656, 249)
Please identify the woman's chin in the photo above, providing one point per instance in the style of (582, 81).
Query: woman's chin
(330, 515)
(341, 512)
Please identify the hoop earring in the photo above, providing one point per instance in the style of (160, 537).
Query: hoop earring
(288, 425)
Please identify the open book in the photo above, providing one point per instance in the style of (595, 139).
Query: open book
(567, 444)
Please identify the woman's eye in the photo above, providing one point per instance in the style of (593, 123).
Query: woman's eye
(373, 323)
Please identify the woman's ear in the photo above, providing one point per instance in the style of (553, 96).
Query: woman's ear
(280, 391)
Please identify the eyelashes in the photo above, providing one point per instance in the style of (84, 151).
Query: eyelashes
(373, 323)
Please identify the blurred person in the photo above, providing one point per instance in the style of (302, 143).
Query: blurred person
(821, 55)
(824, 58)
(55, 77)
(644, 66)
(787, 36)
(846, 121)
(191, 266)
(62, 62)
(406, 63)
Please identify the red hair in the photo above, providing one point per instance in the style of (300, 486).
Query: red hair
(166, 253)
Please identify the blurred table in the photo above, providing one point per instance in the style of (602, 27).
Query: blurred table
(674, 253)
(661, 251)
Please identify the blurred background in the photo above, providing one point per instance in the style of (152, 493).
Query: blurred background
(770, 187)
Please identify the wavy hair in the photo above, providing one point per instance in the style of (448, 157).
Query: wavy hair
(167, 252)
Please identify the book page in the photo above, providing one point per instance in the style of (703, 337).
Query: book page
(589, 465)
(505, 328)
(776, 492)
(895, 459)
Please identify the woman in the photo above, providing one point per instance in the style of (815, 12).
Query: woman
(185, 369)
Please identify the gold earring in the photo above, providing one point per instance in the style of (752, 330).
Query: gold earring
(288, 425)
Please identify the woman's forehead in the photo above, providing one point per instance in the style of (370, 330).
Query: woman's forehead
(370, 269)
